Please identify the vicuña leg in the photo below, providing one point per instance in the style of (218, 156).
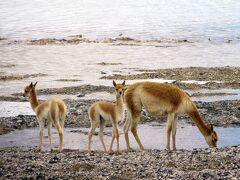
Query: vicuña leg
(94, 125)
(50, 134)
(111, 145)
(134, 123)
(174, 130)
(60, 133)
(41, 125)
(170, 119)
(101, 128)
(62, 121)
(115, 135)
(126, 129)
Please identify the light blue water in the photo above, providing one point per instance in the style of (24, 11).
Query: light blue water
(24, 19)
(152, 137)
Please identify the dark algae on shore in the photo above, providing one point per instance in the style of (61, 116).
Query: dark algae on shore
(191, 73)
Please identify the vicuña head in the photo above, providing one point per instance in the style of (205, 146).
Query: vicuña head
(52, 110)
(212, 137)
(29, 89)
(119, 88)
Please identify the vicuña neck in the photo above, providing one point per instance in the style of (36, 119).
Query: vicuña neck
(119, 104)
(33, 99)
(200, 123)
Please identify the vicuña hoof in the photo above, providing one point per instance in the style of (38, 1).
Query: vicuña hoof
(130, 149)
(117, 153)
(110, 152)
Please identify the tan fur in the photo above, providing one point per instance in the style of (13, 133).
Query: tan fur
(158, 99)
(52, 110)
(102, 112)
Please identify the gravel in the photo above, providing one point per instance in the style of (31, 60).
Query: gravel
(22, 163)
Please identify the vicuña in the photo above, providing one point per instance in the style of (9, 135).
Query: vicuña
(157, 99)
(52, 110)
(103, 112)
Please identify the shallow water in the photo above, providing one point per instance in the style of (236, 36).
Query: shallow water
(104, 18)
(231, 94)
(153, 136)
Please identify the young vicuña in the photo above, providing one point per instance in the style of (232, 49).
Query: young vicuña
(52, 110)
(102, 112)
(157, 99)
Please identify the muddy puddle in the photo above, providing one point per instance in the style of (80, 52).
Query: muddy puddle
(153, 136)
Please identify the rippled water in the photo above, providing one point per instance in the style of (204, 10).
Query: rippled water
(140, 19)
(152, 137)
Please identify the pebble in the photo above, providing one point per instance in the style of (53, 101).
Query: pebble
(55, 159)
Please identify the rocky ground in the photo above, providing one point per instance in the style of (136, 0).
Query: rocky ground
(21, 163)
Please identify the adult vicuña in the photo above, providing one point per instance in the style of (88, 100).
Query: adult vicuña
(102, 112)
(52, 110)
(157, 99)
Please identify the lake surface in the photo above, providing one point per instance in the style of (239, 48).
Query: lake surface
(185, 19)
(197, 19)
(153, 136)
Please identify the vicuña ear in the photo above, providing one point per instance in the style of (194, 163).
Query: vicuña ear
(114, 84)
(31, 85)
(123, 83)
(35, 84)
